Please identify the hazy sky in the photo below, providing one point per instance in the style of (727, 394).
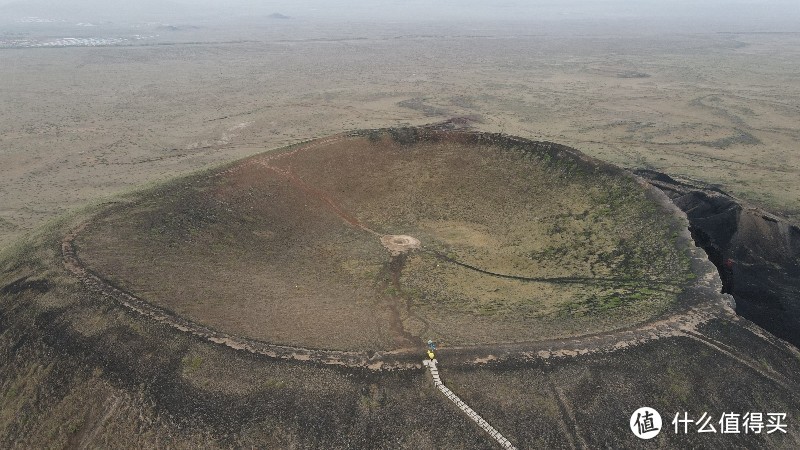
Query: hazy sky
(765, 15)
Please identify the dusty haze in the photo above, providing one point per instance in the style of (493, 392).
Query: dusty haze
(101, 96)
(644, 15)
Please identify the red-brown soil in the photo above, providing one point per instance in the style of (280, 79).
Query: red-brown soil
(508, 241)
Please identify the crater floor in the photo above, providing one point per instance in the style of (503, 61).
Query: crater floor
(383, 239)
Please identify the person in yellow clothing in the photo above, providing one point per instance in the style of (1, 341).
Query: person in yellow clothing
(431, 355)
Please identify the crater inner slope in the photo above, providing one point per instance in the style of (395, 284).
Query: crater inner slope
(383, 239)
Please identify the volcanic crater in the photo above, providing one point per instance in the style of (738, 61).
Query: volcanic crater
(379, 240)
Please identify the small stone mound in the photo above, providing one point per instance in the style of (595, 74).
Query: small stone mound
(398, 244)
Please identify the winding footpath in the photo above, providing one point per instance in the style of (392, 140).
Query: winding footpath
(505, 443)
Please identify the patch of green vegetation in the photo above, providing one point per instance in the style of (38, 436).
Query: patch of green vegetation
(74, 426)
(372, 397)
(743, 138)
(274, 383)
(489, 308)
(413, 293)
(391, 291)
(12, 392)
(6, 225)
(191, 364)
(610, 299)
(678, 385)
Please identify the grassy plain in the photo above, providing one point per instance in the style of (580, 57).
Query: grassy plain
(82, 123)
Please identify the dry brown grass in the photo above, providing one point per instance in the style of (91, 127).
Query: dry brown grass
(80, 123)
(268, 249)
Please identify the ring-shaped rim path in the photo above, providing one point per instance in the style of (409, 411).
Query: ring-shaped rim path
(698, 303)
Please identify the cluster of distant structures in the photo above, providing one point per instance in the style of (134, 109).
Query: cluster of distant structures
(44, 37)
(38, 20)
(71, 42)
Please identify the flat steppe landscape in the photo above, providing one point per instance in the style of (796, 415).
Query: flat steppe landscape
(82, 123)
(193, 239)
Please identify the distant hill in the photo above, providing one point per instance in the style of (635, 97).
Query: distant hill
(278, 16)
(113, 10)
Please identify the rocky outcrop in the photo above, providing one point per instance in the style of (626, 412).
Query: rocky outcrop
(757, 253)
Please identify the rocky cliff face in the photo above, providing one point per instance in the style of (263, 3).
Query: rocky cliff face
(757, 253)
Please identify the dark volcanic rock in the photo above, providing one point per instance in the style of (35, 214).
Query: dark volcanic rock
(757, 253)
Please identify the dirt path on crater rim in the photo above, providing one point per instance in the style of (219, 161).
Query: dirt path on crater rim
(704, 303)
